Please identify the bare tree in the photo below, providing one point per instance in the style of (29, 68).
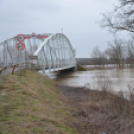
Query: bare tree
(95, 55)
(130, 51)
(98, 56)
(121, 18)
(115, 52)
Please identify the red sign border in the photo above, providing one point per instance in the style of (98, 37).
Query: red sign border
(21, 48)
(20, 35)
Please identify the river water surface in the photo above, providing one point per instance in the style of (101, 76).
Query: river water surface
(117, 79)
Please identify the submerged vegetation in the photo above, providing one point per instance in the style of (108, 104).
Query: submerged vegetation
(80, 68)
(101, 111)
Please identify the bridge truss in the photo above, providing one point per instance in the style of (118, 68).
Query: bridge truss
(51, 52)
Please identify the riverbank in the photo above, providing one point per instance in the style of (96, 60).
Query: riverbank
(32, 103)
(100, 112)
(92, 67)
(81, 68)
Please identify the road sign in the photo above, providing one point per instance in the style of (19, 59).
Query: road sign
(20, 46)
(20, 37)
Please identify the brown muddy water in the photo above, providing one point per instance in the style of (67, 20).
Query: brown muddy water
(116, 79)
(98, 112)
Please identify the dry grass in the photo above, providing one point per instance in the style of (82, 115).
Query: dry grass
(81, 68)
(31, 104)
(101, 111)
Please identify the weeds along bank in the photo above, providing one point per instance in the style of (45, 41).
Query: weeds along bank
(81, 68)
(101, 112)
(32, 103)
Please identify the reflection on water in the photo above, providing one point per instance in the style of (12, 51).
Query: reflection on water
(118, 78)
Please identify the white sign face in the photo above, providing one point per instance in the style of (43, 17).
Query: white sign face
(20, 37)
(20, 46)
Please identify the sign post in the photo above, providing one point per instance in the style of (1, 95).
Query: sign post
(20, 45)
(19, 62)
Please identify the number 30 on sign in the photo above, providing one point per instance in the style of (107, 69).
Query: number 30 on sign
(20, 46)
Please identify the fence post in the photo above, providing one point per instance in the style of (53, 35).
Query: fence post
(5, 69)
(13, 69)
(0, 75)
(19, 62)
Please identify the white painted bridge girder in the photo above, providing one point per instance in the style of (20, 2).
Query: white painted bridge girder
(51, 51)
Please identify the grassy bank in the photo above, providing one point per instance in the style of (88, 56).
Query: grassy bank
(88, 68)
(80, 68)
(92, 67)
(32, 103)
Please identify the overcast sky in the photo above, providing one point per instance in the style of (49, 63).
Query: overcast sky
(78, 18)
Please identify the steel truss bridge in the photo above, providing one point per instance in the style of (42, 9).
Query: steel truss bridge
(51, 52)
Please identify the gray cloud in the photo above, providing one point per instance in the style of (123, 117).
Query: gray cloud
(76, 17)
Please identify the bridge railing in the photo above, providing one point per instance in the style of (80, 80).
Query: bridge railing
(52, 53)
(9, 55)
(10, 69)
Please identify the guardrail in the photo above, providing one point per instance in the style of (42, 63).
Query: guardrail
(14, 66)
(10, 69)
(1, 70)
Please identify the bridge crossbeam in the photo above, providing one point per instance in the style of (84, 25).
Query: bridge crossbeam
(52, 51)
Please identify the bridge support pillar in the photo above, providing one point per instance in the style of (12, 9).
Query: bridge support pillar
(34, 62)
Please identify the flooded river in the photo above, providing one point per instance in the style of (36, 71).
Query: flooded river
(117, 79)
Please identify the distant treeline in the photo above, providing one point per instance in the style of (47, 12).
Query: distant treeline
(118, 52)
(98, 61)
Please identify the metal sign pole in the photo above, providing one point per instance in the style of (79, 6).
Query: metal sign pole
(20, 46)
(19, 62)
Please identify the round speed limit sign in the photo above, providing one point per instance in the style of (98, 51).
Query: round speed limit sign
(20, 46)
(20, 37)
